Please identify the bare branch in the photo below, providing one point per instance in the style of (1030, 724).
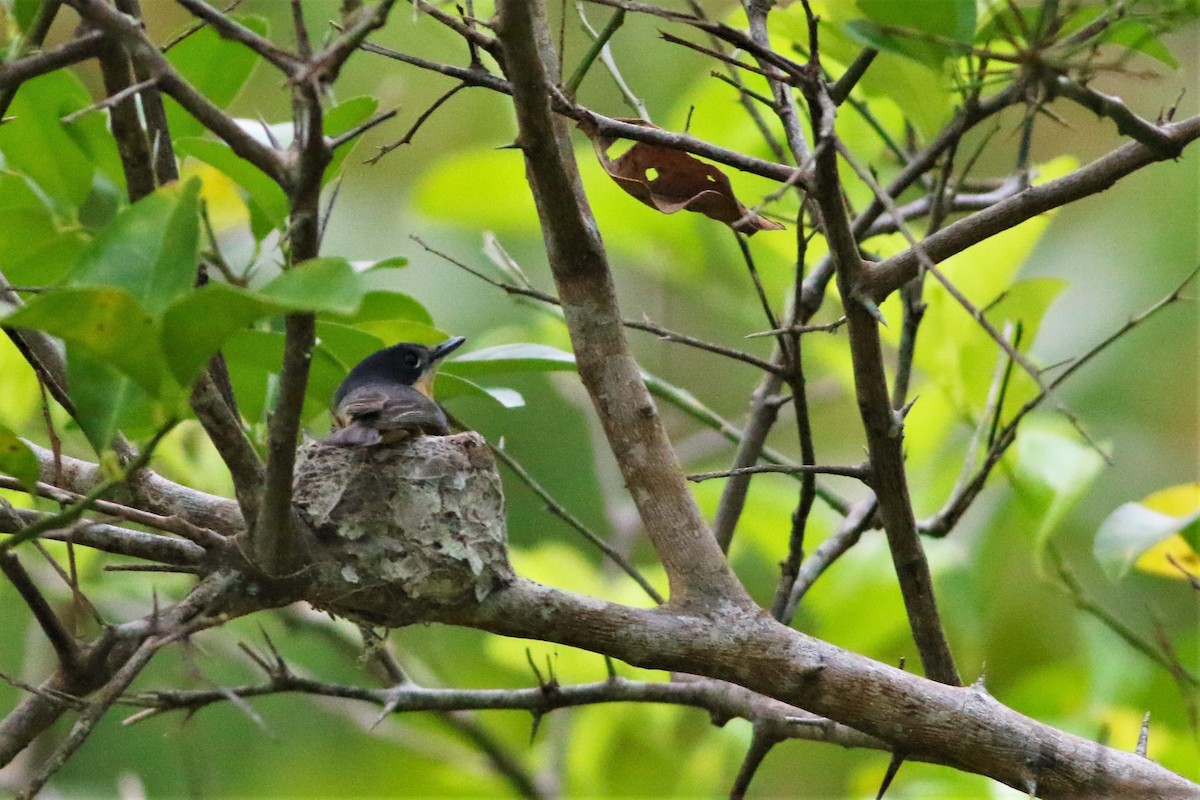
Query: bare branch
(224, 429)
(1128, 123)
(18, 70)
(108, 538)
(146, 53)
(416, 126)
(271, 538)
(971, 309)
(882, 425)
(610, 127)
(861, 472)
(917, 715)
(695, 566)
(62, 642)
(556, 508)
(858, 519)
(883, 278)
(161, 496)
(73, 511)
(719, 698)
(229, 28)
(324, 66)
(125, 119)
(32, 40)
(962, 498)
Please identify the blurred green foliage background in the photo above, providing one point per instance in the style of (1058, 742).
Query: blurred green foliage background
(1088, 267)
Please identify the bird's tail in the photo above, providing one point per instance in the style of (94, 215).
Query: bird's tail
(353, 436)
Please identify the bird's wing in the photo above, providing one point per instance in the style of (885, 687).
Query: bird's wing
(391, 408)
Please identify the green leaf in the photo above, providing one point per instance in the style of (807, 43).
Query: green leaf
(948, 19)
(267, 202)
(107, 322)
(1139, 37)
(402, 330)
(215, 66)
(385, 306)
(451, 386)
(1130, 531)
(105, 400)
(384, 298)
(16, 459)
(1053, 473)
(25, 11)
(395, 262)
(197, 325)
(928, 32)
(149, 248)
(511, 358)
(37, 144)
(36, 250)
(319, 284)
(347, 344)
(254, 356)
(247, 376)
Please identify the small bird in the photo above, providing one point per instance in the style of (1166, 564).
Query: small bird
(388, 397)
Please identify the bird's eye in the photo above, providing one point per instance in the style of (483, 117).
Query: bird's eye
(412, 359)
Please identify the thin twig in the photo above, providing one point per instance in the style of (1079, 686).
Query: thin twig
(861, 473)
(959, 502)
(229, 28)
(416, 126)
(359, 130)
(599, 44)
(72, 512)
(109, 101)
(976, 314)
(558, 510)
(761, 743)
(647, 326)
(858, 519)
(196, 27)
(1071, 585)
(828, 327)
(610, 63)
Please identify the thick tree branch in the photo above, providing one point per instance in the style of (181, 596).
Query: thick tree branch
(962, 727)
(695, 565)
(272, 541)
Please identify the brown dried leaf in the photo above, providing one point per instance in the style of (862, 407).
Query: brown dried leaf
(669, 180)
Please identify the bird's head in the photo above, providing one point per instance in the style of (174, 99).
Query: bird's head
(407, 363)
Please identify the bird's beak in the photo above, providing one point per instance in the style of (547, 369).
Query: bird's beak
(447, 347)
(424, 384)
